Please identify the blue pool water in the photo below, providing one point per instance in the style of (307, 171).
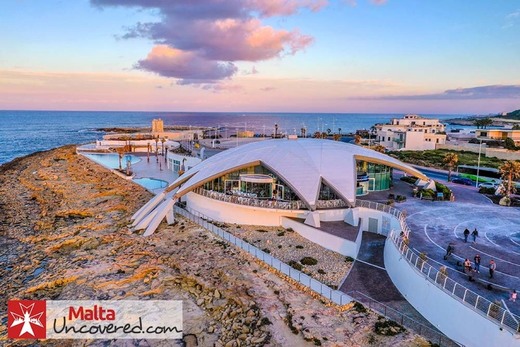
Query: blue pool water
(151, 183)
(112, 160)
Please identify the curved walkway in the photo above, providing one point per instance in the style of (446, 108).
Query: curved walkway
(435, 224)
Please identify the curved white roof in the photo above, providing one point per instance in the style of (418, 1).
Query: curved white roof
(302, 164)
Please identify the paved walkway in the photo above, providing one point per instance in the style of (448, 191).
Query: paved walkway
(436, 223)
(369, 277)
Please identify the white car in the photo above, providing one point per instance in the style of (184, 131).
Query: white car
(488, 185)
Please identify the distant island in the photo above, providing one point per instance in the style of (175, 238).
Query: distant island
(490, 120)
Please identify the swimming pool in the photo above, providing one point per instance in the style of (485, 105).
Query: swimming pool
(112, 160)
(151, 183)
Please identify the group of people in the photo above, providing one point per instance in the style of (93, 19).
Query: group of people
(474, 234)
(472, 270)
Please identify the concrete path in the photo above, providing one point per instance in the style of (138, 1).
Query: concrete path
(369, 277)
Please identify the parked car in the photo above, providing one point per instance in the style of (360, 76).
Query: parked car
(488, 185)
(465, 181)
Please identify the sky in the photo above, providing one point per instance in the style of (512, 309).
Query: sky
(338, 56)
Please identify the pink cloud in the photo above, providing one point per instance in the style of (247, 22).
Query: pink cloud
(186, 66)
(206, 37)
(378, 2)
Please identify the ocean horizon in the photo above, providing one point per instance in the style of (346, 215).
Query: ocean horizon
(26, 132)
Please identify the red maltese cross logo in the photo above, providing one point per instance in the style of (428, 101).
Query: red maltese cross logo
(26, 319)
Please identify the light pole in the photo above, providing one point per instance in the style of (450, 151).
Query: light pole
(478, 161)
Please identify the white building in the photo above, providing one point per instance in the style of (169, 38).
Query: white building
(412, 132)
(261, 182)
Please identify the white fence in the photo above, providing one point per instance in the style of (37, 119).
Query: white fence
(401, 216)
(333, 295)
(494, 312)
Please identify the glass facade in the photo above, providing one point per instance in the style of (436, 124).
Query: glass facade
(379, 177)
(238, 182)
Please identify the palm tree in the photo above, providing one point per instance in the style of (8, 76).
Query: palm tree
(329, 131)
(316, 135)
(339, 131)
(510, 171)
(450, 159)
(163, 140)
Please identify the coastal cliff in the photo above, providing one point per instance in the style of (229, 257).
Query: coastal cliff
(65, 235)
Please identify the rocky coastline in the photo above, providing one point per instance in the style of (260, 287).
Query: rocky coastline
(65, 235)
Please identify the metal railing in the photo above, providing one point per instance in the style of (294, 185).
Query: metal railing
(433, 335)
(400, 215)
(333, 295)
(249, 201)
(493, 311)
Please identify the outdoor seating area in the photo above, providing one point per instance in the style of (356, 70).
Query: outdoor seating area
(248, 200)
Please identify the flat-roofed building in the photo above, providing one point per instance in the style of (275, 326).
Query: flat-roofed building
(498, 134)
(412, 132)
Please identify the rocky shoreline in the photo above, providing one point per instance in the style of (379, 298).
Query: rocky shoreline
(64, 224)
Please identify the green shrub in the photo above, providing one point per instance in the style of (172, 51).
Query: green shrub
(295, 265)
(266, 250)
(388, 328)
(484, 190)
(428, 193)
(409, 179)
(359, 307)
(321, 272)
(262, 231)
(281, 233)
(299, 246)
(349, 259)
(400, 198)
(308, 261)
(441, 188)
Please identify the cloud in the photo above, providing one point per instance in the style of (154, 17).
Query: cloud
(214, 34)
(378, 2)
(186, 66)
(267, 89)
(474, 93)
(511, 19)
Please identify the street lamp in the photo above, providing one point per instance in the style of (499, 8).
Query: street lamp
(478, 161)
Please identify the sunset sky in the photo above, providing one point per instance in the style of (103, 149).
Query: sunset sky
(394, 56)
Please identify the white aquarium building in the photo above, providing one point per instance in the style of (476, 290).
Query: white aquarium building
(259, 183)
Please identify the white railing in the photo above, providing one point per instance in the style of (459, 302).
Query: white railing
(333, 295)
(493, 311)
(400, 215)
(248, 201)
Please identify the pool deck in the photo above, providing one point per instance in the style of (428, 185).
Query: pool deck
(154, 168)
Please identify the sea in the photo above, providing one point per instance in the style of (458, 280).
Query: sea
(26, 132)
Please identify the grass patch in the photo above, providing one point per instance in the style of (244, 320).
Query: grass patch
(434, 158)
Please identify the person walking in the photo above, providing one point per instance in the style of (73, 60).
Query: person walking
(477, 263)
(513, 296)
(474, 234)
(492, 268)
(467, 265)
(466, 234)
(449, 250)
